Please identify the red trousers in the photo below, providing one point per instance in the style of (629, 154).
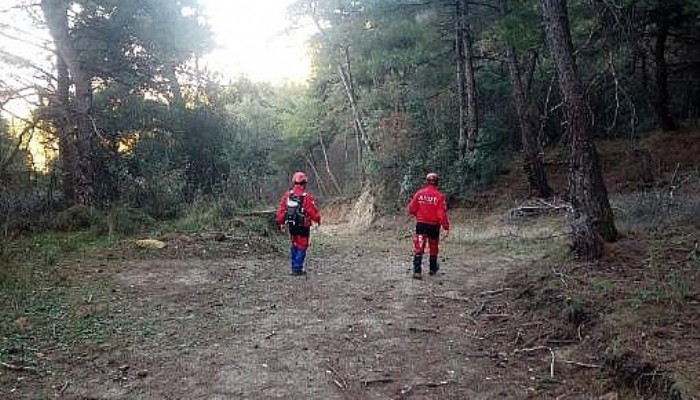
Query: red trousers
(419, 242)
(300, 242)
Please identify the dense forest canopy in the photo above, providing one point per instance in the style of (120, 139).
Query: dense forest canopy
(465, 88)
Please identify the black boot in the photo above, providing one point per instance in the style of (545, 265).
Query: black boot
(417, 268)
(434, 267)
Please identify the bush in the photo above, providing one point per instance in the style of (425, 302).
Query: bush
(656, 210)
(79, 217)
(126, 221)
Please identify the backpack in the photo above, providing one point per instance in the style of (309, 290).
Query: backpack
(295, 216)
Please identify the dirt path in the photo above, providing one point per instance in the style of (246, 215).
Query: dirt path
(356, 327)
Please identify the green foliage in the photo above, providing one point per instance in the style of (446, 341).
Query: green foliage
(45, 312)
(604, 285)
(169, 136)
(681, 287)
(646, 295)
(520, 27)
(138, 40)
(127, 220)
(675, 286)
(77, 218)
(656, 210)
(153, 184)
(694, 259)
(202, 215)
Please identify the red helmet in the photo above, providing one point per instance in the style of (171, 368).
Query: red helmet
(299, 178)
(432, 178)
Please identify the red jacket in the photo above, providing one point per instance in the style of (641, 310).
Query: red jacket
(428, 205)
(312, 213)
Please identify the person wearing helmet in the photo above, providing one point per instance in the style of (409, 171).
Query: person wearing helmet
(297, 210)
(429, 207)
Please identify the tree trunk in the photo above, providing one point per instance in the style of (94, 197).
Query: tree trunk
(78, 120)
(346, 78)
(592, 214)
(363, 139)
(319, 181)
(66, 139)
(85, 185)
(468, 108)
(663, 112)
(328, 164)
(532, 150)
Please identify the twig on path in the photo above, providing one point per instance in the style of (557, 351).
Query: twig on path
(561, 276)
(369, 382)
(338, 380)
(536, 348)
(473, 319)
(271, 334)
(496, 315)
(532, 340)
(420, 329)
(478, 310)
(580, 364)
(14, 367)
(495, 331)
(407, 390)
(64, 388)
(474, 336)
(494, 292)
(455, 298)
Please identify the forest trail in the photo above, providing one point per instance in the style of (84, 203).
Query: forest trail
(356, 327)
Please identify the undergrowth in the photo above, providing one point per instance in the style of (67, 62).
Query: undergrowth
(53, 306)
(45, 312)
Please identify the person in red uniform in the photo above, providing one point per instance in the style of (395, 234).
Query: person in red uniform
(302, 204)
(429, 208)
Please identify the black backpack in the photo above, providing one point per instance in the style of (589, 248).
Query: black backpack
(295, 216)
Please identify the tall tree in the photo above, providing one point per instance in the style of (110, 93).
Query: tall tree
(663, 112)
(137, 46)
(77, 133)
(532, 148)
(592, 214)
(336, 22)
(468, 106)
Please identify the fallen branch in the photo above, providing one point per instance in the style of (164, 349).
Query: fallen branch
(496, 315)
(580, 364)
(561, 276)
(455, 298)
(271, 334)
(478, 310)
(407, 390)
(495, 331)
(369, 382)
(551, 364)
(428, 330)
(538, 207)
(494, 292)
(14, 367)
(473, 320)
(336, 378)
(64, 388)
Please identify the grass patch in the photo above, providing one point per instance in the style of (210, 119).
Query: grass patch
(49, 247)
(199, 217)
(603, 285)
(48, 311)
(543, 235)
